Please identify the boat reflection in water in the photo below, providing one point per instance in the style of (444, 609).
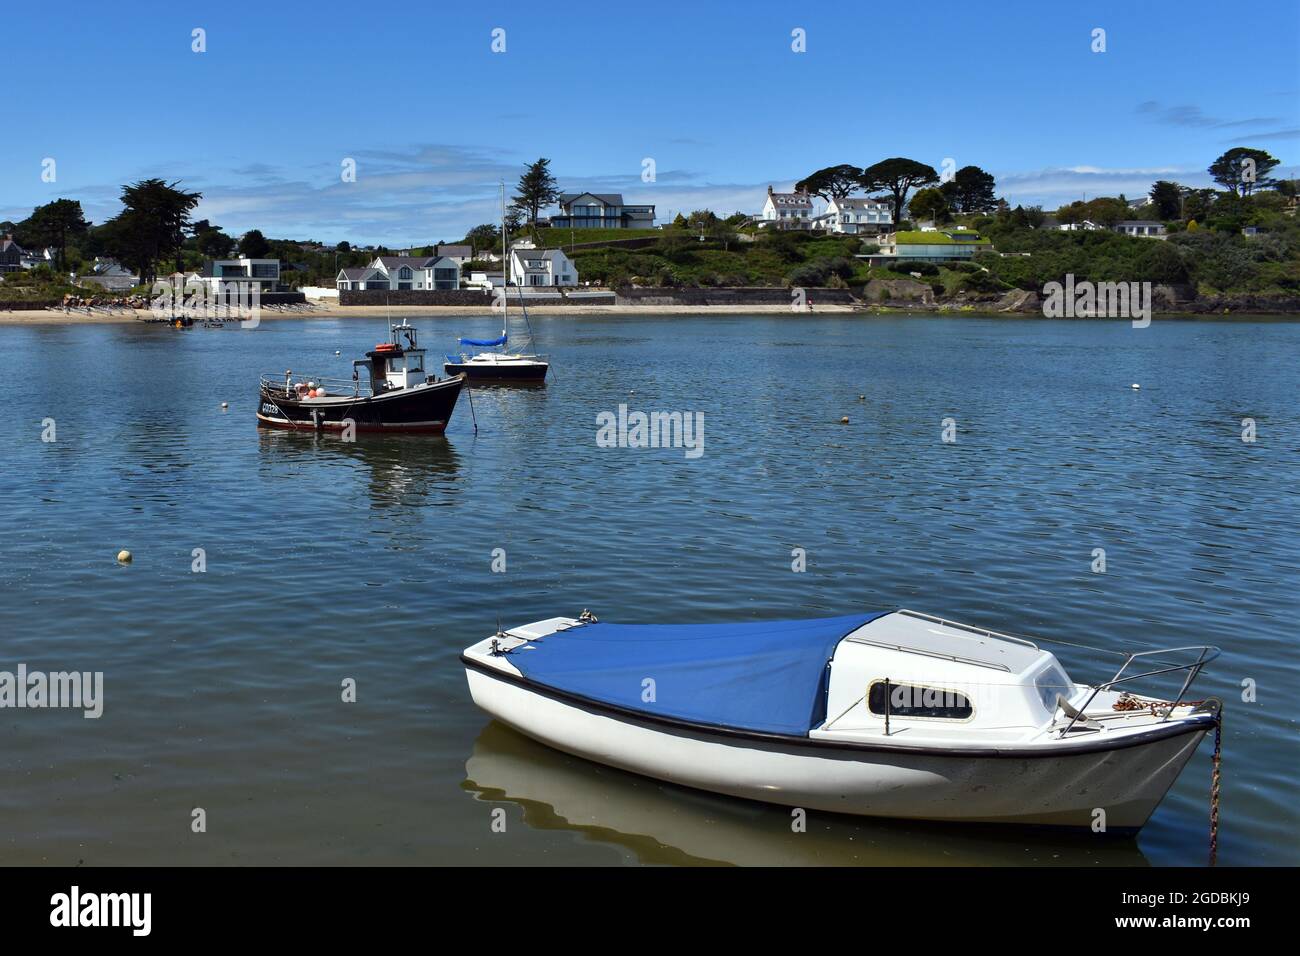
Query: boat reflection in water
(400, 470)
(661, 823)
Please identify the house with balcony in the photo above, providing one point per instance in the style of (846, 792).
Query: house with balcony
(401, 274)
(786, 211)
(539, 268)
(943, 246)
(856, 215)
(601, 211)
(264, 274)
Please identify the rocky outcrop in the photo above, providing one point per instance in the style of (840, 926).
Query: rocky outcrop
(1019, 300)
(879, 291)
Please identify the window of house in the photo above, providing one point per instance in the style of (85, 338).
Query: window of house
(914, 700)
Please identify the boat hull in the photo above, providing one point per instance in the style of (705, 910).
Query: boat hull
(1022, 787)
(424, 409)
(503, 372)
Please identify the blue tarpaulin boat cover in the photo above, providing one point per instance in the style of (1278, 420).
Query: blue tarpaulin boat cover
(484, 342)
(767, 676)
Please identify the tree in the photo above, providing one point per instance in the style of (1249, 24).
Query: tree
(537, 189)
(897, 177)
(1241, 169)
(152, 226)
(1167, 198)
(253, 245)
(486, 236)
(53, 223)
(930, 203)
(973, 190)
(833, 182)
(211, 242)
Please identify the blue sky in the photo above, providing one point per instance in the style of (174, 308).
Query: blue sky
(712, 92)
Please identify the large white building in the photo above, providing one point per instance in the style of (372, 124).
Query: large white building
(402, 273)
(541, 267)
(263, 273)
(787, 211)
(857, 214)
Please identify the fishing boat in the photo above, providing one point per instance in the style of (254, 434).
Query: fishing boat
(398, 395)
(501, 366)
(892, 714)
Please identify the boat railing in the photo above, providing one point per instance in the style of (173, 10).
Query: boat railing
(969, 627)
(333, 386)
(1205, 653)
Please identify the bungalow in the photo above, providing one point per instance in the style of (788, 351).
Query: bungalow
(1084, 225)
(786, 211)
(1146, 228)
(897, 249)
(109, 275)
(461, 252)
(541, 267)
(402, 273)
(601, 211)
(853, 215)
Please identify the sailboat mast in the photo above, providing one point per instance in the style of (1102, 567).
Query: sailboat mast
(505, 265)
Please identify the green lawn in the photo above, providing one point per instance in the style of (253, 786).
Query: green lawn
(559, 238)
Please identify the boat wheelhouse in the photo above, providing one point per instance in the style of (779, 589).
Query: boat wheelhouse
(399, 394)
(895, 714)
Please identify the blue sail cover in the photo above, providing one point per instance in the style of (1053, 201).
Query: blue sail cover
(767, 676)
(484, 342)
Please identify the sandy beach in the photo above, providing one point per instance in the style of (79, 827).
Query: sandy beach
(52, 317)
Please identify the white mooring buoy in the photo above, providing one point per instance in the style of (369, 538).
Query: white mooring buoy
(1135, 385)
(124, 557)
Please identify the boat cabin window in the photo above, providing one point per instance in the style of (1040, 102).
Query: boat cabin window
(1050, 682)
(912, 700)
(413, 363)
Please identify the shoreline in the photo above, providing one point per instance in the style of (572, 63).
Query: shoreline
(50, 317)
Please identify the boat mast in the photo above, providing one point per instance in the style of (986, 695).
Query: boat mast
(505, 268)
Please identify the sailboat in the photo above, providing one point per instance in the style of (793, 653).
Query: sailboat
(503, 366)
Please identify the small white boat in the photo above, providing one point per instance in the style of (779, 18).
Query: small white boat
(895, 714)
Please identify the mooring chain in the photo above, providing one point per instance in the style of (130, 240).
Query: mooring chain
(1215, 776)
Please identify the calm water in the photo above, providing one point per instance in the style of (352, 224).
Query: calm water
(373, 561)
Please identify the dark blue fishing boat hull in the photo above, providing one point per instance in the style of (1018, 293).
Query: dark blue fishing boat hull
(424, 409)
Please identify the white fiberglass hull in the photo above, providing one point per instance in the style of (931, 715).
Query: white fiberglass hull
(1065, 788)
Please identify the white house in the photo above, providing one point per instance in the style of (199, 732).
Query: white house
(1086, 225)
(541, 267)
(264, 273)
(487, 281)
(856, 214)
(402, 273)
(787, 211)
(1143, 228)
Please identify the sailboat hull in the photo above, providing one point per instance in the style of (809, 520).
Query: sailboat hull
(499, 371)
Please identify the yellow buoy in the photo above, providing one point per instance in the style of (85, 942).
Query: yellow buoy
(124, 557)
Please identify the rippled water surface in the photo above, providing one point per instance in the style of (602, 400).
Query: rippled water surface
(372, 561)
